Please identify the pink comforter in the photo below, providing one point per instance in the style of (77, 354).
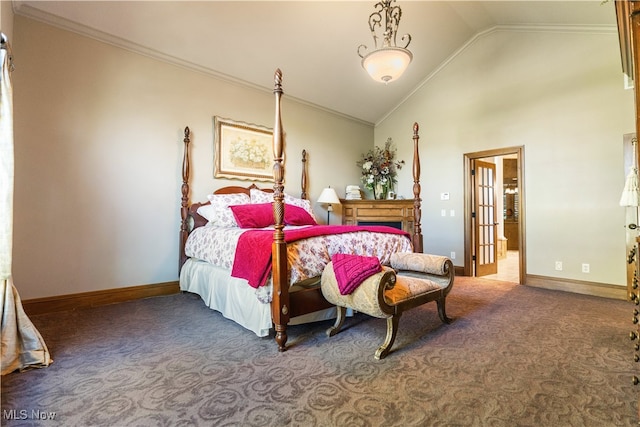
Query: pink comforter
(253, 254)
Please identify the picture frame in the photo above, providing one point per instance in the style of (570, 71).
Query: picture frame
(242, 150)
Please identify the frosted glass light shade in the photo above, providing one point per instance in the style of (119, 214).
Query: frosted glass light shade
(387, 64)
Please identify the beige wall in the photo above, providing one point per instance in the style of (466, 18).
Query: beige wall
(560, 95)
(98, 133)
(6, 19)
(98, 146)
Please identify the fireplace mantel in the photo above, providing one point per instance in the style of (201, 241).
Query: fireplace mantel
(395, 213)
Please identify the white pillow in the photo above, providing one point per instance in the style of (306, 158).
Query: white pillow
(207, 212)
(259, 196)
(218, 211)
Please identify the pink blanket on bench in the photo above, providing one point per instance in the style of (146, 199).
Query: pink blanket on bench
(253, 255)
(352, 270)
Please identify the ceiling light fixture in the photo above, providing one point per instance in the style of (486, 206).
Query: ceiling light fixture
(388, 61)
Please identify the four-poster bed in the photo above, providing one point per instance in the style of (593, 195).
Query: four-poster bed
(293, 248)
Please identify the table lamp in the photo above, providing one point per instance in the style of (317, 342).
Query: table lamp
(329, 197)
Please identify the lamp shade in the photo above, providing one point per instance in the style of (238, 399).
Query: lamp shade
(329, 196)
(387, 64)
(631, 192)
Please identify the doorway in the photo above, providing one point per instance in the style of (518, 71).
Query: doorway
(494, 212)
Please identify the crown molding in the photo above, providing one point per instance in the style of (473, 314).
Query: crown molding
(28, 11)
(23, 9)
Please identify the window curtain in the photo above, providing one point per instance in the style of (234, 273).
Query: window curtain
(22, 346)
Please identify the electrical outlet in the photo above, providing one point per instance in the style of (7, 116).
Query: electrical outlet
(558, 265)
(585, 268)
(453, 255)
(452, 212)
(443, 212)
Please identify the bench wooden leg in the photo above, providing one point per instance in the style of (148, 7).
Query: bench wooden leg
(442, 311)
(392, 330)
(339, 321)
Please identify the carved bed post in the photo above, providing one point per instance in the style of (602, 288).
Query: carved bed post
(417, 213)
(303, 182)
(280, 298)
(184, 205)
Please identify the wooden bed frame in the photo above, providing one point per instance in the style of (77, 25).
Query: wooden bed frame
(284, 305)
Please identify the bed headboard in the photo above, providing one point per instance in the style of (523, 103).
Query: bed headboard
(234, 189)
(190, 219)
(198, 221)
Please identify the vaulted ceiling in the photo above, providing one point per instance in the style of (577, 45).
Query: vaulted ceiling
(313, 42)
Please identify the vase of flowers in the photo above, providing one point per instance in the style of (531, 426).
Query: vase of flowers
(379, 169)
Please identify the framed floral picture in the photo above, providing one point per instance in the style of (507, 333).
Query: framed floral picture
(242, 150)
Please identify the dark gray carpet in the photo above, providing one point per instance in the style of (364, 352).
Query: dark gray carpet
(514, 356)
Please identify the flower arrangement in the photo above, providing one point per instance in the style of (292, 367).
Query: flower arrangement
(379, 169)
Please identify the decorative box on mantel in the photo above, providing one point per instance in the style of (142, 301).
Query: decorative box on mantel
(394, 213)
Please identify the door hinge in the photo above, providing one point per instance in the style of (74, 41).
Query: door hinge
(473, 172)
(473, 214)
(473, 258)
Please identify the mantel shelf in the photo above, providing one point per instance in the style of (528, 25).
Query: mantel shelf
(395, 213)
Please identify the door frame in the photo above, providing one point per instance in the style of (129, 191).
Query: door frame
(468, 208)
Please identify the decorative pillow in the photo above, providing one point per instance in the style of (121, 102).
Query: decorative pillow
(207, 212)
(223, 216)
(301, 203)
(254, 215)
(259, 196)
(260, 215)
(424, 263)
(295, 215)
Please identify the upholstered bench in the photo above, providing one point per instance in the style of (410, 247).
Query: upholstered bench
(413, 279)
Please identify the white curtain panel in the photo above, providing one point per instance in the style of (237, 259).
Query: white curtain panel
(22, 346)
(6, 167)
